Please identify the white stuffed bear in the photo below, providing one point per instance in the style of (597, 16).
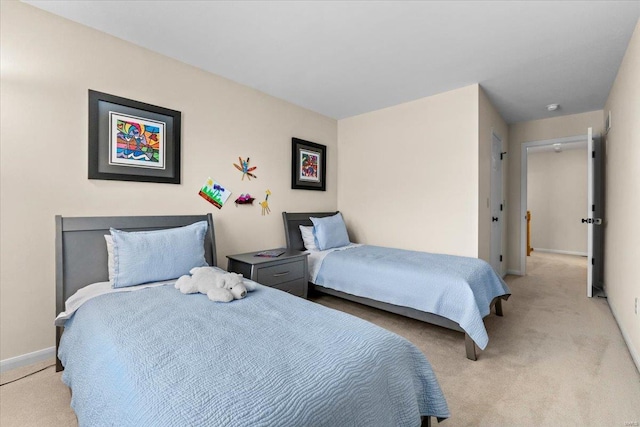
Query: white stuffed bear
(218, 285)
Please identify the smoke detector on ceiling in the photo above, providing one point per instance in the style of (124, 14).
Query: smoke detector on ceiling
(552, 107)
(557, 147)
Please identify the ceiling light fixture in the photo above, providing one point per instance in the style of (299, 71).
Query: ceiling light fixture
(552, 107)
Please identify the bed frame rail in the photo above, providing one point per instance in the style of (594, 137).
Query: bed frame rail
(434, 319)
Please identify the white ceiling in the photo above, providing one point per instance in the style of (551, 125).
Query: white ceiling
(344, 58)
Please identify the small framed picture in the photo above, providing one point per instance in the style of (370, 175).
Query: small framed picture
(132, 141)
(308, 165)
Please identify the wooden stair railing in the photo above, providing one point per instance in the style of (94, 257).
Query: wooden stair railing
(529, 248)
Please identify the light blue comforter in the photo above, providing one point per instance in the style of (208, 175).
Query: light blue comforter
(458, 288)
(156, 357)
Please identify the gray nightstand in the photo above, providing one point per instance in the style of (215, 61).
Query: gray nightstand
(287, 272)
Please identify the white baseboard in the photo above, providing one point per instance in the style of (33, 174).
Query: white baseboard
(632, 350)
(559, 251)
(515, 272)
(27, 359)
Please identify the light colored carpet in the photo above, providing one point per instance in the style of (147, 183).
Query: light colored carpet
(40, 400)
(555, 358)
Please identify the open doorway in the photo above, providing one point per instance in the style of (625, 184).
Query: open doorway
(557, 198)
(556, 203)
(554, 191)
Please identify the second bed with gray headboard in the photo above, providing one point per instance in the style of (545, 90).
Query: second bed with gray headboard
(360, 280)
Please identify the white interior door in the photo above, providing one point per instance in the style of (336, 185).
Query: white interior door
(497, 204)
(595, 214)
(589, 220)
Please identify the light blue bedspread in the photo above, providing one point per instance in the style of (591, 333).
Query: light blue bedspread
(156, 357)
(458, 288)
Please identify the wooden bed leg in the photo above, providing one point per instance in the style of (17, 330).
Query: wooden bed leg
(426, 421)
(499, 307)
(470, 346)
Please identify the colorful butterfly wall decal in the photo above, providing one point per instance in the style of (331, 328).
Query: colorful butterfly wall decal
(245, 169)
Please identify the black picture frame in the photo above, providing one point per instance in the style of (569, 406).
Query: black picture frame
(157, 161)
(305, 175)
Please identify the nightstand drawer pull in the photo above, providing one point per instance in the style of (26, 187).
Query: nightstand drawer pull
(281, 274)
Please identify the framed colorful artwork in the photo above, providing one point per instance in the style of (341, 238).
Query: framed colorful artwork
(132, 141)
(308, 165)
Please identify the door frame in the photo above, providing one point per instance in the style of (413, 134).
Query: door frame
(524, 156)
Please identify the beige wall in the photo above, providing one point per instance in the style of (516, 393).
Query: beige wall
(408, 174)
(622, 194)
(48, 64)
(489, 121)
(536, 130)
(557, 199)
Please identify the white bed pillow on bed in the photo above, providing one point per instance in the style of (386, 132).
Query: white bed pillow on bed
(308, 238)
(330, 232)
(150, 256)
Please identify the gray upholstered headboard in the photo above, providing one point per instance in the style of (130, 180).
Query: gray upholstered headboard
(81, 251)
(291, 223)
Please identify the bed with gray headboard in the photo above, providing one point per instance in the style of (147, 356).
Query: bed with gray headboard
(81, 252)
(154, 356)
(292, 222)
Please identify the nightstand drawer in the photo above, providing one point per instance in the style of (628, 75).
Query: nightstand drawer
(281, 273)
(294, 287)
(287, 272)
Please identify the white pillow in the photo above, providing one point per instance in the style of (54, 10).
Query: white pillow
(308, 238)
